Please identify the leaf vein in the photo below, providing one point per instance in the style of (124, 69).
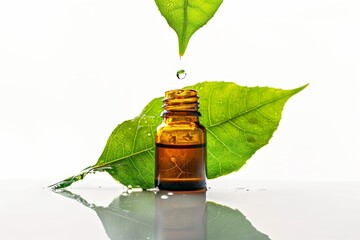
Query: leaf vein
(137, 169)
(241, 129)
(249, 110)
(209, 105)
(124, 157)
(217, 160)
(185, 22)
(265, 116)
(224, 144)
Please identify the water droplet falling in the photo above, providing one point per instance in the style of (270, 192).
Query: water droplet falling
(181, 74)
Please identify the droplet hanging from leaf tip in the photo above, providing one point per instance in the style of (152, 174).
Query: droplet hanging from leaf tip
(181, 74)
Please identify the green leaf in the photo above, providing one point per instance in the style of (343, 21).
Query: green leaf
(239, 121)
(145, 215)
(187, 16)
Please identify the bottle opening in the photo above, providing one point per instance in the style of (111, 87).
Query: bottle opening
(181, 100)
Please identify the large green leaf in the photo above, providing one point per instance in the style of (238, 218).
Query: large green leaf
(187, 16)
(239, 121)
(146, 215)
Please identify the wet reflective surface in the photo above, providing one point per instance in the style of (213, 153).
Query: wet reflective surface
(248, 210)
(170, 215)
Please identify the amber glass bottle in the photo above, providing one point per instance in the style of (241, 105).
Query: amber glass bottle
(180, 140)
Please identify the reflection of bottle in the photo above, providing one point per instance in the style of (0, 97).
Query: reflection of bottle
(180, 144)
(180, 215)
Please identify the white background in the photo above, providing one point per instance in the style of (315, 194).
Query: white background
(70, 71)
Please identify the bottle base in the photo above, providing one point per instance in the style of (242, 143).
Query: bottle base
(181, 185)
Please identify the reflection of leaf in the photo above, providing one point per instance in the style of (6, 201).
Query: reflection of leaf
(226, 223)
(239, 121)
(187, 16)
(129, 218)
(135, 216)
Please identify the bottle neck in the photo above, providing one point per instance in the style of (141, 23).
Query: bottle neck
(180, 117)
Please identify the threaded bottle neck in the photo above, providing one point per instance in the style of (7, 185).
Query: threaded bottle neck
(181, 101)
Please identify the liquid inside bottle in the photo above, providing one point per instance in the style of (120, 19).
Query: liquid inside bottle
(180, 155)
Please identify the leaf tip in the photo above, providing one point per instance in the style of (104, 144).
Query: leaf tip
(182, 49)
(305, 85)
(299, 89)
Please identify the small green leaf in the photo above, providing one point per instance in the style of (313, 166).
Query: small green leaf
(239, 121)
(187, 16)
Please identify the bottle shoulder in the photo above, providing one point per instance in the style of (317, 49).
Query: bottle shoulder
(181, 126)
(181, 134)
